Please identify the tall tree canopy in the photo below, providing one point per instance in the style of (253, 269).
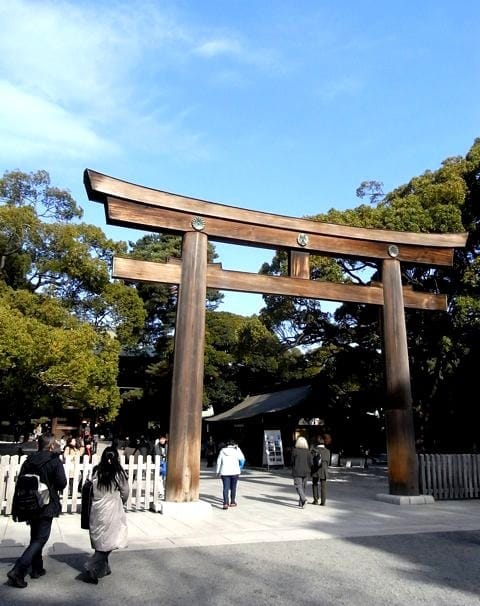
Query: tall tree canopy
(241, 354)
(442, 346)
(55, 292)
(160, 300)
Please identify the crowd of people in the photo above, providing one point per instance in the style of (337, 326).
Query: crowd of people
(78, 446)
(110, 491)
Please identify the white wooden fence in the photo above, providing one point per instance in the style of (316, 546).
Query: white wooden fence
(449, 476)
(144, 481)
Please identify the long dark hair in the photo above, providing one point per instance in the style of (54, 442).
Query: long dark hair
(109, 468)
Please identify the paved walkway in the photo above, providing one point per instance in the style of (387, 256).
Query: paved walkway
(267, 511)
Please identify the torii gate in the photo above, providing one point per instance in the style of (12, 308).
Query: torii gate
(131, 205)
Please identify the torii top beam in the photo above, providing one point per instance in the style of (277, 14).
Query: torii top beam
(127, 204)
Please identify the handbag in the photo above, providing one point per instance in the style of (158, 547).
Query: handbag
(87, 498)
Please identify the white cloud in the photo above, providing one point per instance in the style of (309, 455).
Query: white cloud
(72, 72)
(66, 54)
(75, 74)
(233, 47)
(29, 124)
(219, 46)
(340, 87)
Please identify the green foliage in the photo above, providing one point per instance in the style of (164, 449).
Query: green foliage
(49, 359)
(442, 346)
(243, 356)
(57, 297)
(33, 190)
(160, 300)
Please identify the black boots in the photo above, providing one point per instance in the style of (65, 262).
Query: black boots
(36, 574)
(16, 579)
(89, 576)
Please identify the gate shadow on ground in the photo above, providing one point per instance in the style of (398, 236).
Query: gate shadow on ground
(448, 559)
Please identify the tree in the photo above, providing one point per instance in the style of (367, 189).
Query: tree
(55, 289)
(442, 346)
(48, 359)
(243, 357)
(160, 299)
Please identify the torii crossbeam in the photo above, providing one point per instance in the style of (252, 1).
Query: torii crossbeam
(131, 205)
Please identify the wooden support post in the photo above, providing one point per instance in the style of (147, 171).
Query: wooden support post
(183, 474)
(402, 459)
(299, 264)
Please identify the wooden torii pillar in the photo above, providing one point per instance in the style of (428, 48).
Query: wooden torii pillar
(131, 205)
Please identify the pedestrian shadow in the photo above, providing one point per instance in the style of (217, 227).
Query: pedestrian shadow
(213, 500)
(257, 480)
(271, 500)
(73, 560)
(217, 502)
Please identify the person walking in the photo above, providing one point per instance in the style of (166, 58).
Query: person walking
(321, 461)
(108, 521)
(47, 465)
(210, 451)
(88, 446)
(72, 454)
(301, 469)
(141, 447)
(73, 448)
(230, 462)
(160, 448)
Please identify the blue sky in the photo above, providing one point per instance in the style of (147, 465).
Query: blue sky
(280, 106)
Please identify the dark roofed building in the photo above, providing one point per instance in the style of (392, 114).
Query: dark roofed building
(264, 403)
(246, 422)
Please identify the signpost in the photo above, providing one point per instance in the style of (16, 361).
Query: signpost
(272, 448)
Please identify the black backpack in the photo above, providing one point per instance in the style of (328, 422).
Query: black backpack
(30, 497)
(317, 461)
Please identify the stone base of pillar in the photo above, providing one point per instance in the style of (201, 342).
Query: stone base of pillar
(396, 499)
(192, 510)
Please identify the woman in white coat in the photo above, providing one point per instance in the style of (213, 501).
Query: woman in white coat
(108, 521)
(230, 462)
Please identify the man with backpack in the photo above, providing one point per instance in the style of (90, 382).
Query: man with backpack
(46, 464)
(319, 472)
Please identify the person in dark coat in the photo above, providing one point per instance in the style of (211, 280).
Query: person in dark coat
(142, 447)
(210, 451)
(320, 474)
(47, 465)
(301, 469)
